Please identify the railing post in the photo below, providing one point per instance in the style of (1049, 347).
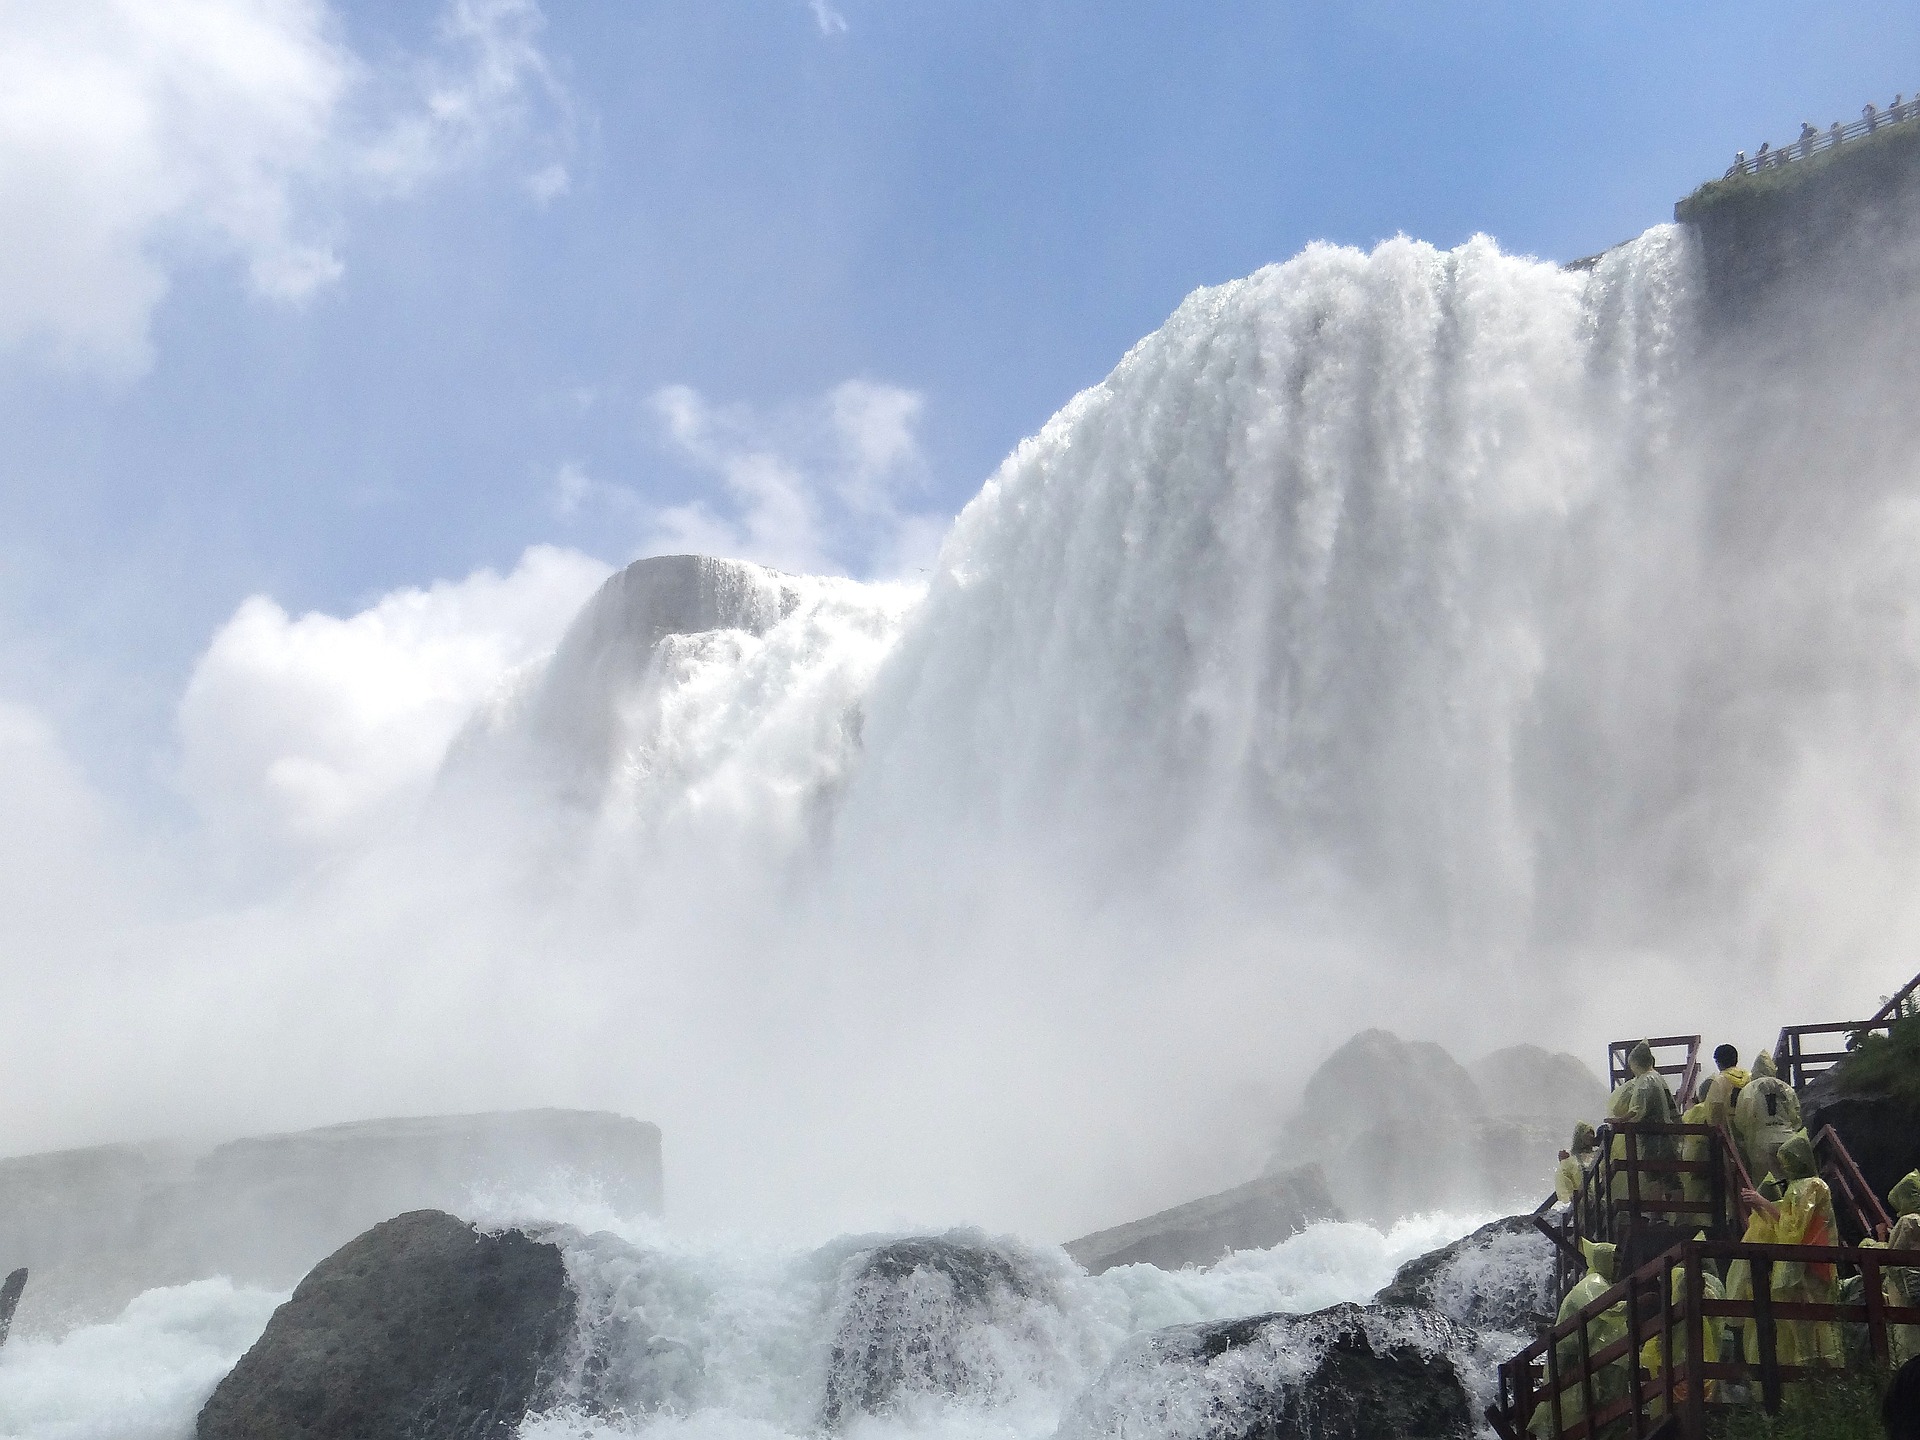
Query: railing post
(1665, 1291)
(1586, 1378)
(1633, 1358)
(1633, 1177)
(1696, 1421)
(1764, 1331)
(1876, 1299)
(1553, 1385)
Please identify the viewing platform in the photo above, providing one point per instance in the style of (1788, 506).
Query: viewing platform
(1674, 1340)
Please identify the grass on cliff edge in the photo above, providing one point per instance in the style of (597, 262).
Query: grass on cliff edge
(1844, 1408)
(1884, 1064)
(1777, 179)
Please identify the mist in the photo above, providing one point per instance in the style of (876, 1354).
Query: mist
(1444, 641)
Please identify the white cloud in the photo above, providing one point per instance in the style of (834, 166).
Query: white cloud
(136, 137)
(830, 20)
(818, 488)
(490, 71)
(319, 730)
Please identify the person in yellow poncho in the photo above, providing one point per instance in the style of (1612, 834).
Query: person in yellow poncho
(1901, 1286)
(1602, 1330)
(1576, 1163)
(1766, 1115)
(1697, 1184)
(1650, 1356)
(1804, 1216)
(1724, 1089)
(1905, 1195)
(1644, 1099)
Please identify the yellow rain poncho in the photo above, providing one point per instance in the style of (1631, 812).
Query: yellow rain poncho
(1766, 1116)
(1602, 1330)
(1697, 1184)
(1573, 1170)
(1723, 1091)
(1905, 1195)
(1804, 1217)
(1644, 1099)
(1650, 1356)
(1901, 1286)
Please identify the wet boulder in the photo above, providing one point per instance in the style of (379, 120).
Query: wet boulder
(1345, 1373)
(422, 1327)
(947, 1316)
(1499, 1278)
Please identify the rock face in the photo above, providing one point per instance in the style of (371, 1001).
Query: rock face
(1499, 1278)
(422, 1328)
(1785, 238)
(1254, 1216)
(1346, 1373)
(928, 1315)
(1881, 1132)
(1401, 1127)
(99, 1226)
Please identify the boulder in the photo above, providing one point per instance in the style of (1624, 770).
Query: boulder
(930, 1316)
(1345, 1373)
(1254, 1216)
(1499, 1278)
(1881, 1132)
(422, 1327)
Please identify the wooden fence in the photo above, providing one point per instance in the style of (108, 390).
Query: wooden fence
(1607, 1383)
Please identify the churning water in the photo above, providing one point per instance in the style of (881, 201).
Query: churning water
(728, 1338)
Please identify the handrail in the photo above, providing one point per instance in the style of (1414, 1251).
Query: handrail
(1811, 142)
(1846, 1181)
(1598, 1214)
(1797, 1065)
(1653, 1309)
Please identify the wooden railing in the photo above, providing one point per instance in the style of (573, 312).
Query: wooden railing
(1683, 1068)
(1856, 1207)
(1798, 1063)
(1675, 1394)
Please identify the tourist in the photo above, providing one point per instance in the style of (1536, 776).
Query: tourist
(1602, 1330)
(1724, 1089)
(1765, 1116)
(1803, 1216)
(1577, 1164)
(1644, 1099)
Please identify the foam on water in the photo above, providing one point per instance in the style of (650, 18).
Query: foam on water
(142, 1376)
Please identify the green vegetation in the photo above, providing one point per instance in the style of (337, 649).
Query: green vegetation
(1777, 179)
(1884, 1064)
(1846, 1407)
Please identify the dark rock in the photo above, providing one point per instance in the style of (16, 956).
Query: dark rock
(1791, 239)
(1501, 1277)
(1881, 1132)
(930, 1316)
(1254, 1216)
(1345, 1373)
(421, 1328)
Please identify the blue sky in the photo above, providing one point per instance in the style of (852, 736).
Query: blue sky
(426, 284)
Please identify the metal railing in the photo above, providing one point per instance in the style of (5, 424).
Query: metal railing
(1811, 142)
(1680, 1390)
(1684, 1067)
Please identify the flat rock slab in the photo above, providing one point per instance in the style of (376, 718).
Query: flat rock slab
(1254, 1216)
(421, 1328)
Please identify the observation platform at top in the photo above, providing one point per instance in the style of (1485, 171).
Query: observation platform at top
(1809, 152)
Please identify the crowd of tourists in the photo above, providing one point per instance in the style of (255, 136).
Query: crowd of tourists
(1812, 138)
(1789, 1205)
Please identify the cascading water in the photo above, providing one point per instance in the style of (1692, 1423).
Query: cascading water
(1408, 606)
